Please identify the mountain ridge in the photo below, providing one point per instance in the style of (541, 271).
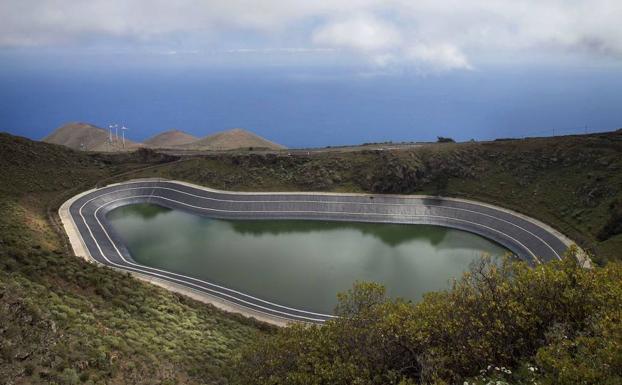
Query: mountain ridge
(170, 138)
(231, 139)
(88, 137)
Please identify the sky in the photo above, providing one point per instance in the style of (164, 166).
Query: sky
(321, 40)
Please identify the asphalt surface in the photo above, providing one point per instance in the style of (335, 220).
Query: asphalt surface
(526, 238)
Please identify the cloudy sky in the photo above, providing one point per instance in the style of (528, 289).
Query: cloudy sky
(428, 36)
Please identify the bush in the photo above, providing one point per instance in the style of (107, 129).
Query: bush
(442, 139)
(614, 224)
(70, 377)
(496, 316)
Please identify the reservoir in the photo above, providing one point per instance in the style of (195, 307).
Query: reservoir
(300, 264)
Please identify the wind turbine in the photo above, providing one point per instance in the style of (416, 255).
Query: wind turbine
(110, 127)
(123, 133)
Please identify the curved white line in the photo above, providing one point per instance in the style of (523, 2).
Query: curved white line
(141, 269)
(181, 275)
(328, 212)
(146, 270)
(268, 211)
(245, 211)
(336, 202)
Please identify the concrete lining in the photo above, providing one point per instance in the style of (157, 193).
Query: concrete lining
(92, 237)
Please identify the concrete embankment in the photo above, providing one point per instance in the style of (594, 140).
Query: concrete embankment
(92, 237)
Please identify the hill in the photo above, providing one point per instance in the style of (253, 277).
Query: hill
(232, 139)
(68, 321)
(87, 137)
(169, 139)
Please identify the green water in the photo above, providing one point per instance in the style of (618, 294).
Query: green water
(301, 264)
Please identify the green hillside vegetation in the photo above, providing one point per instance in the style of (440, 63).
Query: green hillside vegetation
(66, 321)
(554, 324)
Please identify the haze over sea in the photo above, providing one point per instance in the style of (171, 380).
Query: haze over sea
(314, 73)
(301, 107)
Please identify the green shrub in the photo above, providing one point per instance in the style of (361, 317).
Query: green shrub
(70, 377)
(614, 224)
(502, 316)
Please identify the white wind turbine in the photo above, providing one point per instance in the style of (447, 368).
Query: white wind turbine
(110, 127)
(123, 133)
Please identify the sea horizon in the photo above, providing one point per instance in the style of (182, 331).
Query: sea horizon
(314, 108)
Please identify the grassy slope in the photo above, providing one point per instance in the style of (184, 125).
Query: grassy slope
(572, 183)
(63, 320)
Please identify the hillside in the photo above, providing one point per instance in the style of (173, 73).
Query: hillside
(170, 139)
(67, 321)
(232, 139)
(87, 137)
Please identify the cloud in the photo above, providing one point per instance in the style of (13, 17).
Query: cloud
(440, 57)
(437, 35)
(362, 32)
(382, 43)
(267, 51)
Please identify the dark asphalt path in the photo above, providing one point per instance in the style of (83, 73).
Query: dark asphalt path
(527, 239)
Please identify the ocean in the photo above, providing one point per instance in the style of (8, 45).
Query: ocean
(310, 108)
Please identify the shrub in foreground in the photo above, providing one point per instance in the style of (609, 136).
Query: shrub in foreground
(555, 323)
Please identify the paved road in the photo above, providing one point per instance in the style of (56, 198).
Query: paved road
(528, 239)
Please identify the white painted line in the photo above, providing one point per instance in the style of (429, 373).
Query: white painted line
(325, 212)
(141, 269)
(342, 202)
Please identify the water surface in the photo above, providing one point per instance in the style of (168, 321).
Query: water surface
(295, 110)
(302, 264)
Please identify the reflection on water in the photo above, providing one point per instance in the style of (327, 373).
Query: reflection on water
(298, 263)
(389, 234)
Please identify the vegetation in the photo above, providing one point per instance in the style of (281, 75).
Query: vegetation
(554, 324)
(66, 321)
(613, 227)
(442, 139)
